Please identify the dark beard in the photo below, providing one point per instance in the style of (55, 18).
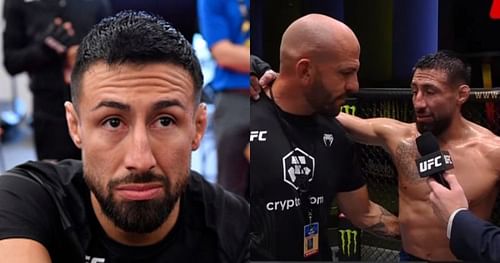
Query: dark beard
(437, 127)
(139, 216)
(316, 98)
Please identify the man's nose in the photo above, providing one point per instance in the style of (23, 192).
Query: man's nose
(139, 156)
(353, 84)
(418, 100)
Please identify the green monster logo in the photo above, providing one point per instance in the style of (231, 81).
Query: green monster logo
(349, 109)
(348, 233)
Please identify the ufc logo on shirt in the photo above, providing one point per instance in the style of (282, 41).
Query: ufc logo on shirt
(89, 259)
(259, 135)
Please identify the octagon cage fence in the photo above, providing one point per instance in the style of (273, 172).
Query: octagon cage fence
(348, 242)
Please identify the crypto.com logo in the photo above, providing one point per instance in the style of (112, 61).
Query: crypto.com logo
(495, 10)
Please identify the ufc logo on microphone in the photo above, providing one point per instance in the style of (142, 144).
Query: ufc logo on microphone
(428, 164)
(259, 135)
(440, 161)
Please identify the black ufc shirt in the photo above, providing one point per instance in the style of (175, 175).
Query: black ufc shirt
(52, 206)
(291, 154)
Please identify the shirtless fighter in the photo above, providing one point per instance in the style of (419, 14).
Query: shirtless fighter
(440, 88)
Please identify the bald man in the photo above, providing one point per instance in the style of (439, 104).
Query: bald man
(301, 157)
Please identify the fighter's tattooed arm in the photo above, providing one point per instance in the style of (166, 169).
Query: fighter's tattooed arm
(387, 224)
(366, 214)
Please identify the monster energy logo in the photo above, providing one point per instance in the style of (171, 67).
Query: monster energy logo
(349, 109)
(346, 234)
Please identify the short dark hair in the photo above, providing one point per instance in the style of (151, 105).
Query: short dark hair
(135, 37)
(458, 72)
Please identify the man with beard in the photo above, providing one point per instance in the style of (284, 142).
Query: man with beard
(440, 88)
(136, 115)
(301, 157)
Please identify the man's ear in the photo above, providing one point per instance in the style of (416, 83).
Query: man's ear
(303, 70)
(463, 94)
(73, 123)
(200, 125)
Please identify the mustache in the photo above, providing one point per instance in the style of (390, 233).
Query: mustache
(138, 178)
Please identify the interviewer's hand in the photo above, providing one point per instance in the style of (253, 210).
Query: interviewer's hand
(445, 201)
(256, 86)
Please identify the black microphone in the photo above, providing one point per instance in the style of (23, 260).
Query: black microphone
(433, 162)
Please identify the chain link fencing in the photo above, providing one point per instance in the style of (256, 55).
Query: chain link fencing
(482, 107)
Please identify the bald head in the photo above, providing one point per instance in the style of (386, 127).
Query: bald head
(315, 37)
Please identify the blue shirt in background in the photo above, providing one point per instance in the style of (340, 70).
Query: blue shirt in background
(226, 19)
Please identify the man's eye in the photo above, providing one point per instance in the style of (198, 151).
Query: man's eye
(165, 121)
(347, 72)
(113, 122)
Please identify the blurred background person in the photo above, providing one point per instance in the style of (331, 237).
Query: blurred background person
(225, 25)
(40, 38)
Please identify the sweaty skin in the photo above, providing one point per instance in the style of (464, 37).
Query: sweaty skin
(475, 152)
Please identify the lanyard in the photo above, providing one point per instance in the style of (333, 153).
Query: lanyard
(302, 179)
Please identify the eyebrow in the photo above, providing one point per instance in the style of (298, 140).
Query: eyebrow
(124, 107)
(167, 103)
(431, 86)
(112, 104)
(424, 85)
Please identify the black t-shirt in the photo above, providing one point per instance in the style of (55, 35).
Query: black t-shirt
(283, 152)
(53, 207)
